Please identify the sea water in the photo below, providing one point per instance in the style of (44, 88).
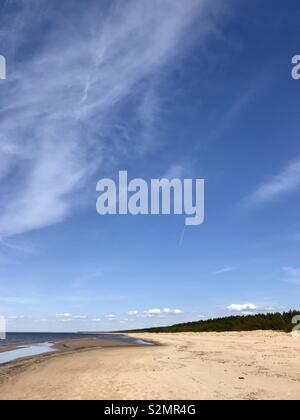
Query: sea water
(34, 344)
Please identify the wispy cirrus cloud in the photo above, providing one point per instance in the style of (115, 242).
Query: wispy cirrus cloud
(225, 270)
(18, 300)
(284, 182)
(59, 115)
(15, 247)
(67, 317)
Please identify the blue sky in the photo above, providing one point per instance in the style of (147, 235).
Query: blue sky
(195, 89)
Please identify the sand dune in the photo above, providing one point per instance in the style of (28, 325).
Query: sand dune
(259, 365)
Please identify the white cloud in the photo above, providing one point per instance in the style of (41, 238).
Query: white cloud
(110, 317)
(129, 319)
(242, 307)
(249, 308)
(177, 170)
(69, 316)
(158, 312)
(153, 312)
(225, 270)
(173, 311)
(58, 119)
(286, 181)
(132, 313)
(64, 315)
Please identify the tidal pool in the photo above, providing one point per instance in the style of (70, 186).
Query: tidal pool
(27, 351)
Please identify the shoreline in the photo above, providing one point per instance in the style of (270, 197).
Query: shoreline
(60, 348)
(246, 366)
(72, 344)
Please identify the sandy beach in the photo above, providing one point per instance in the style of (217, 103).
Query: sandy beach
(247, 366)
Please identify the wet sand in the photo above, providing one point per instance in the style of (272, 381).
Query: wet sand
(247, 366)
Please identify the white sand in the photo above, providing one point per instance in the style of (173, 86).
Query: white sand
(259, 365)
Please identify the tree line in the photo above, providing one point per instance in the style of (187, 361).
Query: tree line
(271, 321)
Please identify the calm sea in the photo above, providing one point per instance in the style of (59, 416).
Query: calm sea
(26, 339)
(21, 345)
